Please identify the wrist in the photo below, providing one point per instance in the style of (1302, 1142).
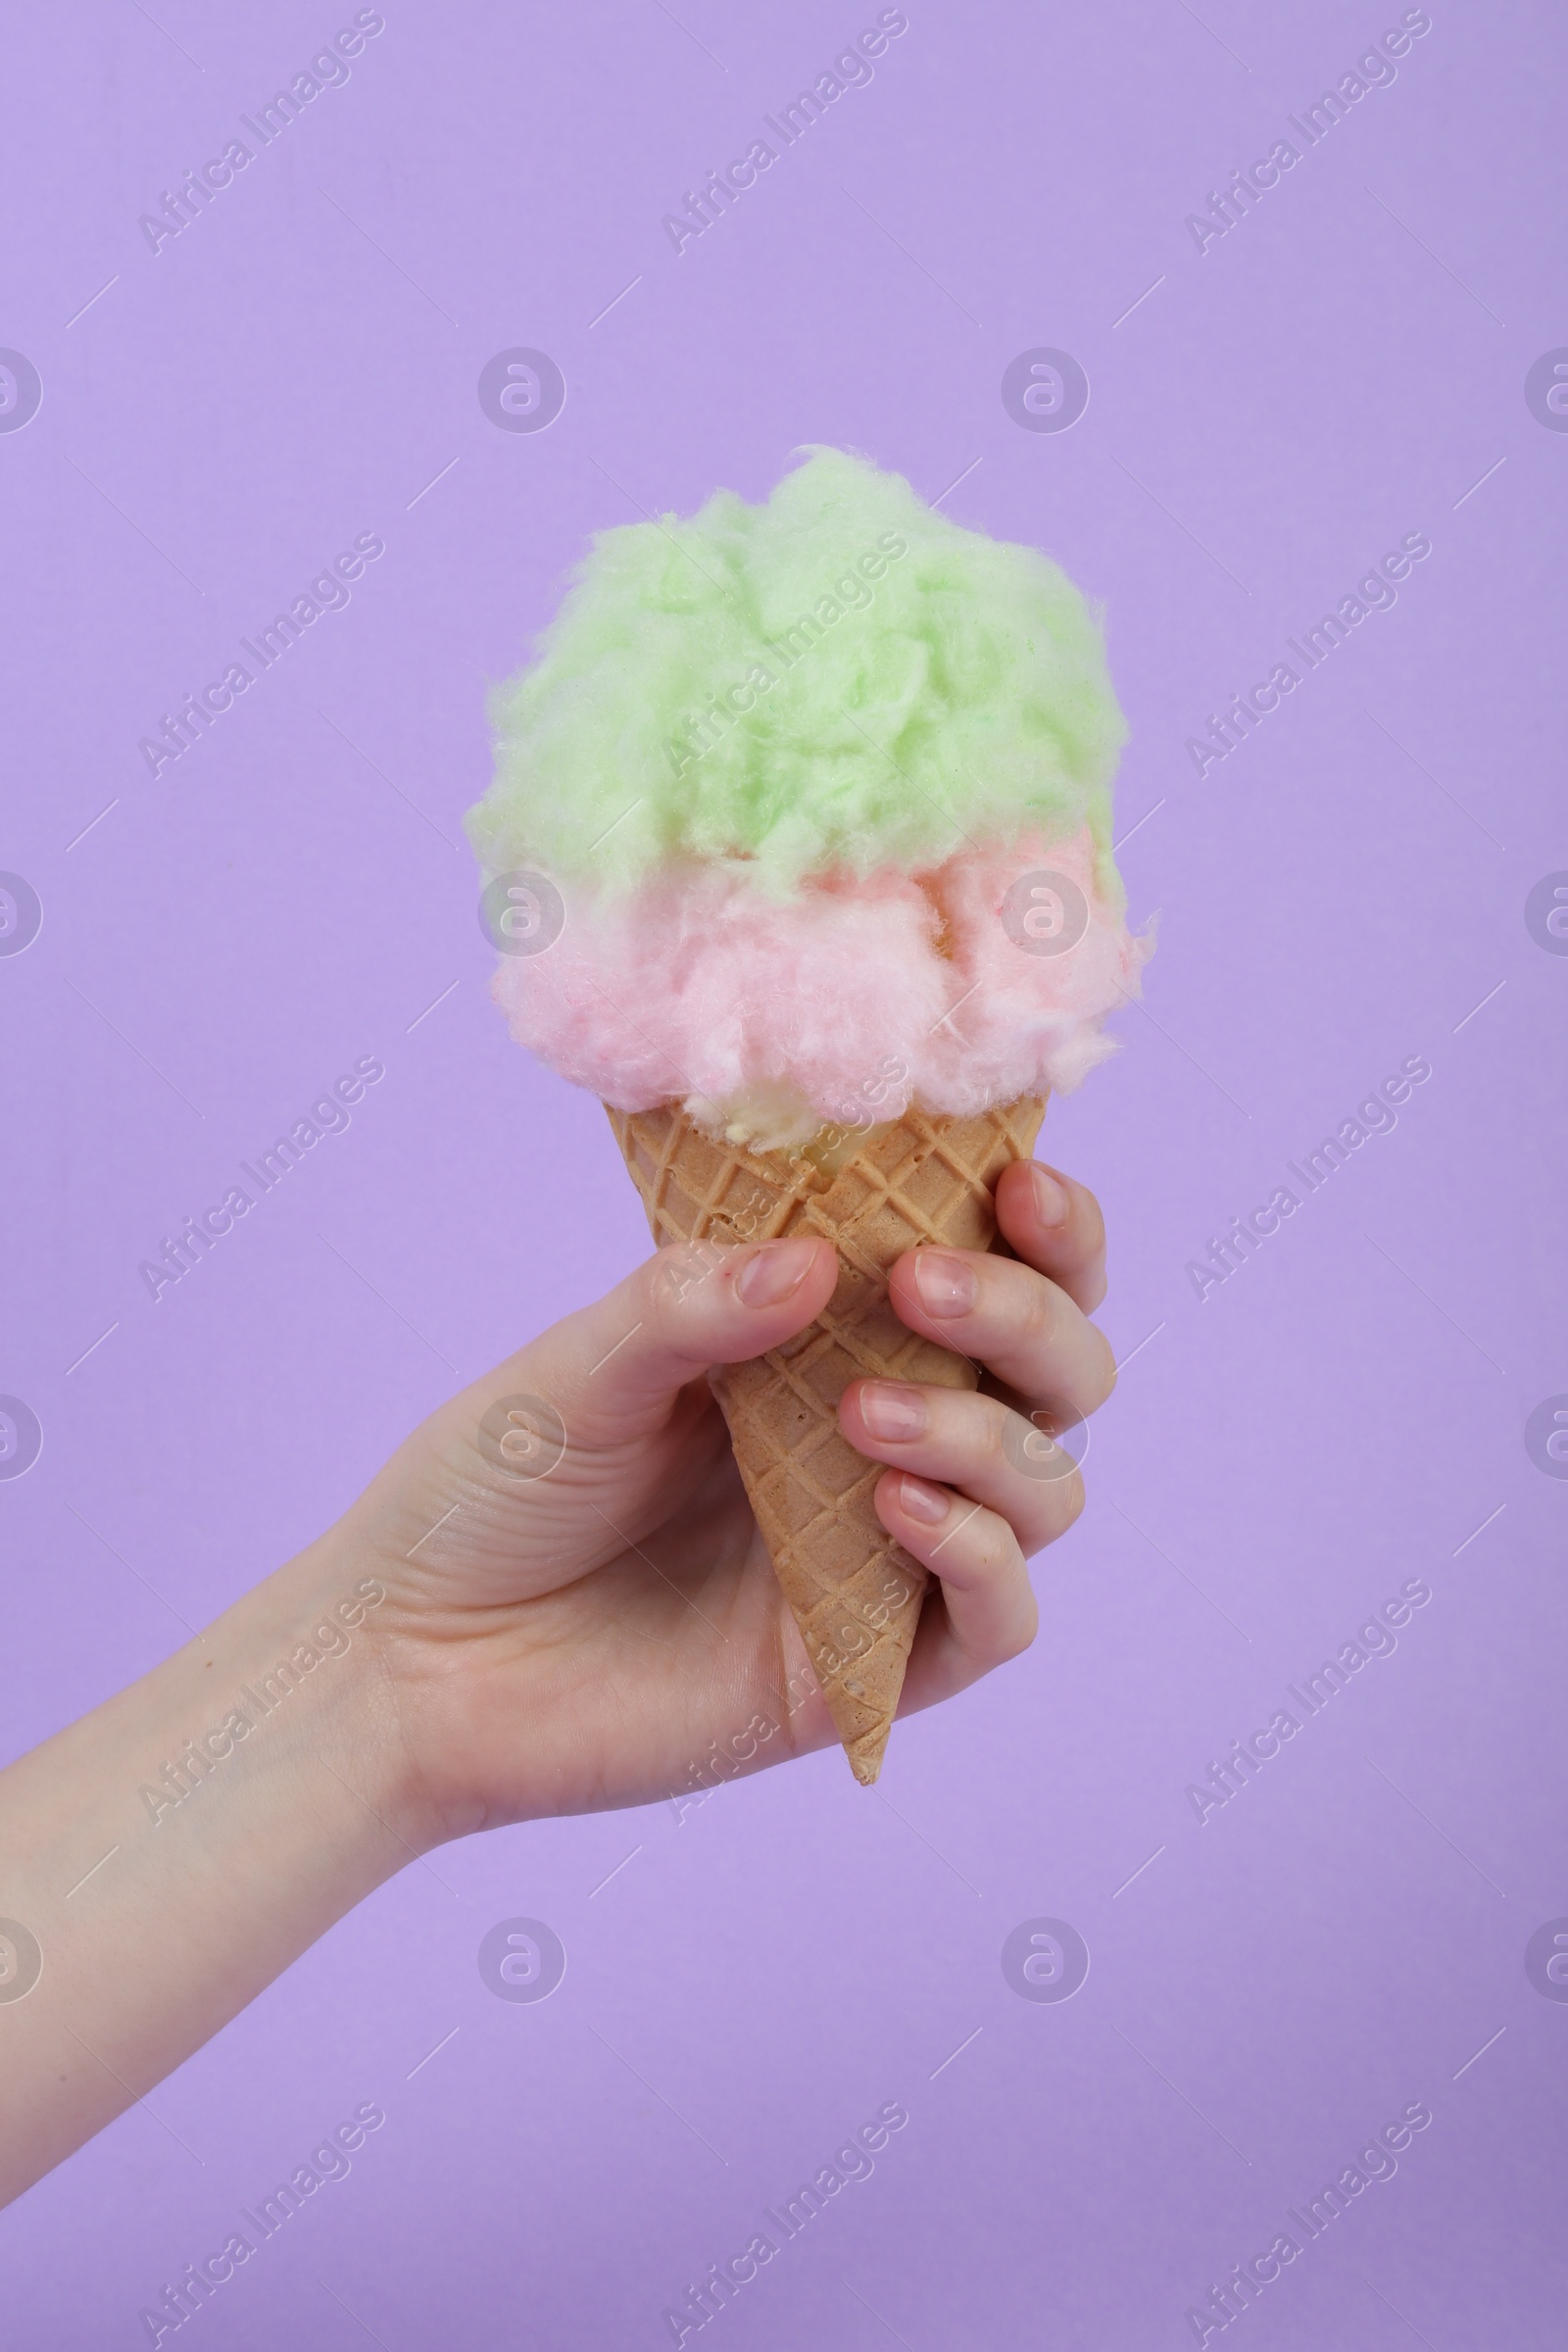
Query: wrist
(309, 1695)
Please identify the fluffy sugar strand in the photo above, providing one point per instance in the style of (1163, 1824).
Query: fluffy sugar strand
(838, 680)
(844, 1005)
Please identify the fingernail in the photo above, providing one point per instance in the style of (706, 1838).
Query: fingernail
(948, 1285)
(926, 1503)
(772, 1272)
(1051, 1198)
(892, 1410)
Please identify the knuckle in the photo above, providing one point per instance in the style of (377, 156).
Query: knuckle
(1021, 1629)
(1059, 1507)
(997, 1548)
(1056, 1511)
(1042, 1312)
(993, 1433)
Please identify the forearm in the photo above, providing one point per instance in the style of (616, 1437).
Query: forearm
(170, 1853)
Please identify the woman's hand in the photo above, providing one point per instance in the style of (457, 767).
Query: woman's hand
(581, 1611)
(552, 1598)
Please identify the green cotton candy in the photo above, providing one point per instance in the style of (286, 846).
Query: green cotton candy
(840, 678)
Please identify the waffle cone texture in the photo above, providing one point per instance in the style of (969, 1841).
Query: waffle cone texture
(855, 1594)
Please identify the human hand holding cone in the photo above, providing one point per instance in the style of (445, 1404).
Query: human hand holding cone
(768, 863)
(855, 1594)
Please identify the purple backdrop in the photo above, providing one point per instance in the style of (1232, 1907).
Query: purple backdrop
(1362, 357)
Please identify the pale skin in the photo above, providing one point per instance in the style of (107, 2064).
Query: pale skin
(540, 1645)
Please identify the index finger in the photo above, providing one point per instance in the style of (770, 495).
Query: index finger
(1054, 1225)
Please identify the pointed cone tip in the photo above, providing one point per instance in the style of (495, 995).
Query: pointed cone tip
(865, 1756)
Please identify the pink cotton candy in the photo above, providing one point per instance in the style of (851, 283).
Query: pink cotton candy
(854, 998)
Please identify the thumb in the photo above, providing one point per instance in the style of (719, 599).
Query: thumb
(614, 1369)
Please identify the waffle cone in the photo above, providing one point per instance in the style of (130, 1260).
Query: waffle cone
(854, 1592)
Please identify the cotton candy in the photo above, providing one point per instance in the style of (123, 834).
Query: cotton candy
(960, 692)
(821, 791)
(846, 1003)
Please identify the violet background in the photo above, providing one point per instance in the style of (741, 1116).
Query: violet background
(1345, 891)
